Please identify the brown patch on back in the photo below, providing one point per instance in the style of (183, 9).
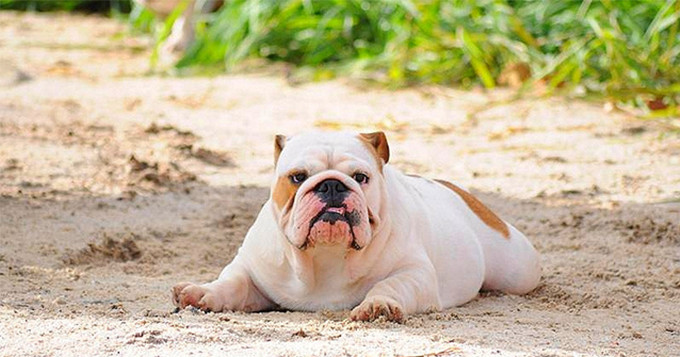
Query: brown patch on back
(284, 192)
(484, 213)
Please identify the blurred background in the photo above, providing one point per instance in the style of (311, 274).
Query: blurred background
(626, 52)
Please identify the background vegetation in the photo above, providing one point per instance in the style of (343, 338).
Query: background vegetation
(627, 50)
(67, 5)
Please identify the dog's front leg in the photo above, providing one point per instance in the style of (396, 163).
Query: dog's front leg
(408, 290)
(234, 290)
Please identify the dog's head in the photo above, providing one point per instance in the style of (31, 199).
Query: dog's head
(329, 188)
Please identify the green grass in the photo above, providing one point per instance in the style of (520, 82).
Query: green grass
(626, 50)
(67, 5)
(623, 50)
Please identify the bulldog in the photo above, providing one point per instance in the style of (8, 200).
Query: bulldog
(343, 229)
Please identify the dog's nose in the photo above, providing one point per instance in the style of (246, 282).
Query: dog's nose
(332, 192)
(330, 187)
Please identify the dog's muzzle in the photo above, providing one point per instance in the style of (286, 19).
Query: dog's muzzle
(336, 215)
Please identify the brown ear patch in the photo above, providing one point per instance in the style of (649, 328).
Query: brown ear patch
(279, 143)
(479, 209)
(283, 193)
(377, 145)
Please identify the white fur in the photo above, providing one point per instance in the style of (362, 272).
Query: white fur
(429, 252)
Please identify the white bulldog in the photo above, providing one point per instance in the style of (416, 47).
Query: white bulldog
(344, 229)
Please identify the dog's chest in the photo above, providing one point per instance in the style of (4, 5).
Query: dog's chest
(330, 269)
(330, 285)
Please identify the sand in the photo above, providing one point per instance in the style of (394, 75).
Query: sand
(115, 184)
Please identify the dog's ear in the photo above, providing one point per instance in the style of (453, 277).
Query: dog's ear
(279, 143)
(378, 141)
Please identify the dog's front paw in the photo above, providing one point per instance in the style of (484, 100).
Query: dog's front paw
(200, 296)
(376, 306)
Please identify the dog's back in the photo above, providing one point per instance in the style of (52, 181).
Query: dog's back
(471, 247)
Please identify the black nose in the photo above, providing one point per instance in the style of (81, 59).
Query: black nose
(331, 191)
(330, 186)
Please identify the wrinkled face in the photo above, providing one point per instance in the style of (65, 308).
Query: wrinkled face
(327, 190)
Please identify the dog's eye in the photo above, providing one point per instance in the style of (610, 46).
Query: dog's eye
(298, 178)
(360, 178)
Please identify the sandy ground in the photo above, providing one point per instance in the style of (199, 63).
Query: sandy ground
(116, 184)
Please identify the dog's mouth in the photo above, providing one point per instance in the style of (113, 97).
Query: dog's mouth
(334, 216)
